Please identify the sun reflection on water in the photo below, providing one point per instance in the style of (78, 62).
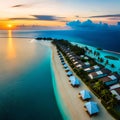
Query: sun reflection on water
(11, 47)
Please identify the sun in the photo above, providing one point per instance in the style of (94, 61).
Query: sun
(9, 25)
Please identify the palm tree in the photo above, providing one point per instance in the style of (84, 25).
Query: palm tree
(107, 62)
(112, 65)
(95, 53)
(101, 60)
(105, 94)
(112, 101)
(98, 86)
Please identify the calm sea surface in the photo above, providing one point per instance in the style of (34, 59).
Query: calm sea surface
(26, 89)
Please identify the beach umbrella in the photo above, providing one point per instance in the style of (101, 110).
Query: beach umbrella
(92, 107)
(65, 66)
(69, 73)
(63, 63)
(85, 94)
(74, 81)
(61, 58)
(66, 69)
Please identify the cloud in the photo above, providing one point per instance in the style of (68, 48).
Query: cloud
(105, 16)
(115, 18)
(46, 17)
(17, 6)
(79, 24)
(22, 19)
(42, 17)
(90, 25)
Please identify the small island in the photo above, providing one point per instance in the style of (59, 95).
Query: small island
(111, 57)
(99, 49)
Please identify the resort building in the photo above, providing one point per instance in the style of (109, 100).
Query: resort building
(115, 90)
(81, 56)
(99, 74)
(83, 65)
(84, 57)
(115, 86)
(92, 69)
(110, 79)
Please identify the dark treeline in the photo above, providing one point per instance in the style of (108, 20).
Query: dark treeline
(48, 38)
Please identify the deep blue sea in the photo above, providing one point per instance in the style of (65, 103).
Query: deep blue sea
(109, 40)
(26, 84)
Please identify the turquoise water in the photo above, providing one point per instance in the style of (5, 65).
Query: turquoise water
(26, 89)
(104, 53)
(26, 82)
(62, 107)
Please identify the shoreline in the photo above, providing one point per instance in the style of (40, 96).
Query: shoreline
(105, 50)
(71, 107)
(69, 95)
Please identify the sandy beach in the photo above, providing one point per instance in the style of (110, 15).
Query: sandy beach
(69, 95)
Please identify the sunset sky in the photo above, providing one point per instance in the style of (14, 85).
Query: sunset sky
(57, 12)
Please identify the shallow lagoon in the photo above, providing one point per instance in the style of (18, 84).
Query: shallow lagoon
(104, 53)
(26, 89)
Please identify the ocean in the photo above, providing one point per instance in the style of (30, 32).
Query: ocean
(26, 87)
(26, 79)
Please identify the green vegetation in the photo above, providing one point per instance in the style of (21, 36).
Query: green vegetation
(99, 49)
(111, 57)
(96, 86)
(112, 66)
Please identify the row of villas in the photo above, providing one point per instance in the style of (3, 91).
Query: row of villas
(90, 107)
(111, 80)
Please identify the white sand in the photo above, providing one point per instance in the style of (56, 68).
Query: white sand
(69, 95)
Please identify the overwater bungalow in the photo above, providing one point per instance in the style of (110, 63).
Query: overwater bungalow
(85, 95)
(91, 108)
(110, 79)
(69, 73)
(92, 69)
(99, 74)
(74, 81)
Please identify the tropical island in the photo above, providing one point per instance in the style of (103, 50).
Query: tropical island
(112, 57)
(102, 83)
